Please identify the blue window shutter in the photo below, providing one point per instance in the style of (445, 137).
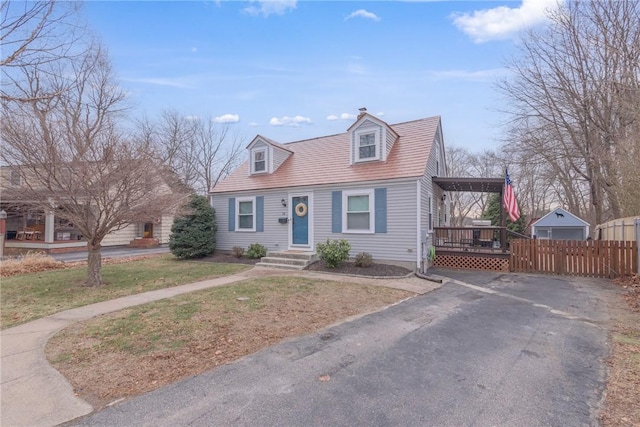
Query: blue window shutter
(260, 213)
(232, 214)
(336, 211)
(381, 210)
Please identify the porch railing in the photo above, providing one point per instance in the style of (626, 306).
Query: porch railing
(470, 238)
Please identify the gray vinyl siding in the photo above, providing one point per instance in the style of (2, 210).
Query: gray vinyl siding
(275, 236)
(391, 138)
(279, 156)
(399, 243)
(425, 191)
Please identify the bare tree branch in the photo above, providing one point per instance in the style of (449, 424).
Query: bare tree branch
(73, 157)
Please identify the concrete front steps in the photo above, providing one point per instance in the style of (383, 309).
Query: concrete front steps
(288, 260)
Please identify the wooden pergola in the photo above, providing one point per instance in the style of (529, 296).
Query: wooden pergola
(477, 185)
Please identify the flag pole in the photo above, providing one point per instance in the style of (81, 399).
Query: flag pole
(503, 219)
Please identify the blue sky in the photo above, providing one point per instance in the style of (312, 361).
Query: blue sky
(292, 70)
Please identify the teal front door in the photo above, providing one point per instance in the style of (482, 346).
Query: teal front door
(300, 220)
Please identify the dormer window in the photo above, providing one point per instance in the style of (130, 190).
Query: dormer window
(259, 161)
(266, 156)
(367, 145)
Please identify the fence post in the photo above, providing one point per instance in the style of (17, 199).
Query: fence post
(637, 234)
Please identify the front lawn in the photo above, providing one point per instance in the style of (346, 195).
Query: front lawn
(145, 347)
(31, 296)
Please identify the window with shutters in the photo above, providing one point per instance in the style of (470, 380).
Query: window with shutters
(246, 214)
(358, 211)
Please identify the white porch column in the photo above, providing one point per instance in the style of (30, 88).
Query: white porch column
(49, 225)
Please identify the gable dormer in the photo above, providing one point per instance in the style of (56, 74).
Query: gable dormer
(265, 155)
(371, 139)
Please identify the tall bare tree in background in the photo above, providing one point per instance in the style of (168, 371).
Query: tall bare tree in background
(35, 34)
(463, 163)
(571, 93)
(62, 134)
(199, 151)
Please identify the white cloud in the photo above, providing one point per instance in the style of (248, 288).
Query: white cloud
(289, 121)
(361, 13)
(358, 69)
(380, 114)
(194, 49)
(477, 75)
(270, 7)
(253, 124)
(343, 116)
(227, 118)
(502, 22)
(161, 82)
(191, 118)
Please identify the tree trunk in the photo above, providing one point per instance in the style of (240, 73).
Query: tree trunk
(94, 265)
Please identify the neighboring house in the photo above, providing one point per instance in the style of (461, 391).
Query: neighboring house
(371, 185)
(32, 229)
(560, 224)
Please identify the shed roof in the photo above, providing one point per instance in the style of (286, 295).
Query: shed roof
(326, 160)
(560, 218)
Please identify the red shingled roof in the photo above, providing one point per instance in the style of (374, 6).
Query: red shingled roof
(325, 160)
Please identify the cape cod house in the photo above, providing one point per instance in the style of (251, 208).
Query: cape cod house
(371, 185)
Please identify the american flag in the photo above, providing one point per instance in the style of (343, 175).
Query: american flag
(509, 198)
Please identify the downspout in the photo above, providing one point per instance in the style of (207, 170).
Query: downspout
(419, 258)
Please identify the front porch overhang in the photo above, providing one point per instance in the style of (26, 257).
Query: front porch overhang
(477, 185)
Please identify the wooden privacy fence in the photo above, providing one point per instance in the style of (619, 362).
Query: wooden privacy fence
(592, 258)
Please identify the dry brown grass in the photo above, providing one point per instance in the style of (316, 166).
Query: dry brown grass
(621, 408)
(32, 262)
(146, 347)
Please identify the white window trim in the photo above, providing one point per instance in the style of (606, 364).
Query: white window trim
(356, 145)
(264, 150)
(372, 210)
(253, 205)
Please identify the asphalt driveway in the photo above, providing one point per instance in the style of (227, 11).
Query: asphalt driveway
(485, 349)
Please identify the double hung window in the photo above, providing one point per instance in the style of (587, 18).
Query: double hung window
(367, 146)
(260, 161)
(358, 212)
(246, 214)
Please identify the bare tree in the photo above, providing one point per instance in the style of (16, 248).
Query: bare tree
(218, 151)
(463, 163)
(74, 159)
(33, 34)
(570, 94)
(200, 152)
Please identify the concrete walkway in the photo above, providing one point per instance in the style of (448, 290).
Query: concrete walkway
(34, 394)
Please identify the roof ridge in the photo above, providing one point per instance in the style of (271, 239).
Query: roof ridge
(346, 132)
